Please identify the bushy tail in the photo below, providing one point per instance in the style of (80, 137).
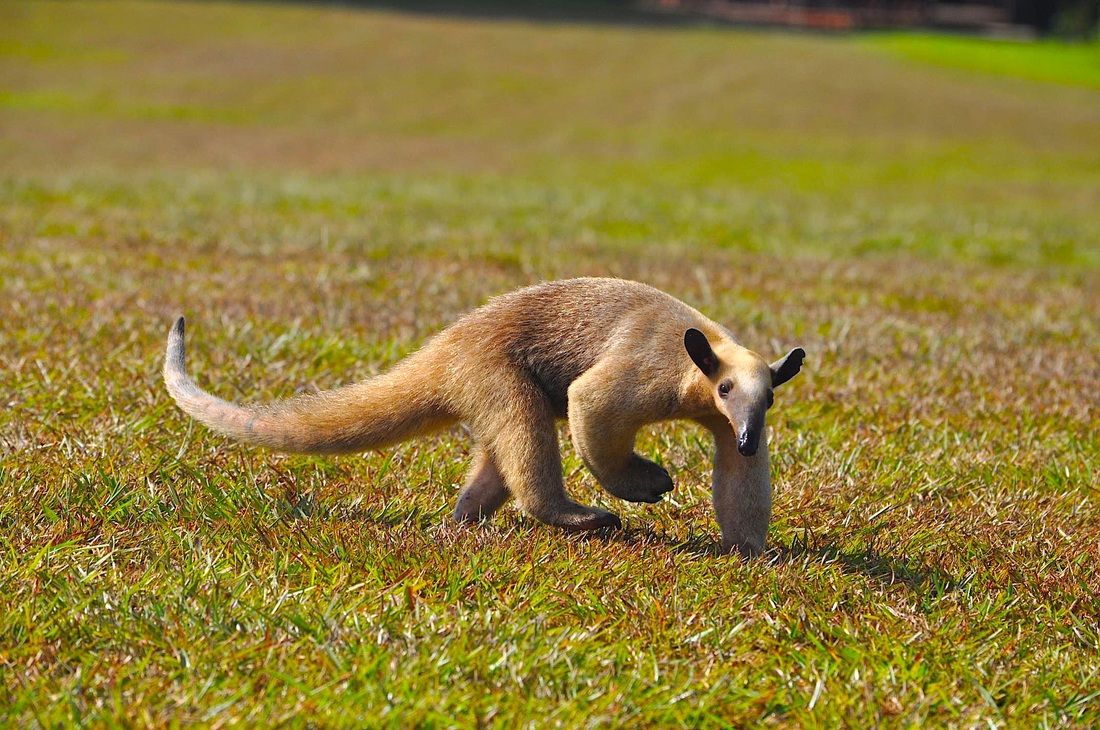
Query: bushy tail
(373, 413)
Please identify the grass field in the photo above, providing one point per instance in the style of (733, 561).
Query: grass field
(1075, 65)
(319, 189)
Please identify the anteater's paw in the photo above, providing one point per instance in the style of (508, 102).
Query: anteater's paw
(747, 549)
(643, 481)
(589, 518)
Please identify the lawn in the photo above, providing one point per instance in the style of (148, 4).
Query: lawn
(1076, 64)
(321, 188)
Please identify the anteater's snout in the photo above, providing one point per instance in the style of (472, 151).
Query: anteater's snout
(748, 441)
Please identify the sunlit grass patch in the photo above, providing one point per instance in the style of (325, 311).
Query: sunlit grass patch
(1074, 64)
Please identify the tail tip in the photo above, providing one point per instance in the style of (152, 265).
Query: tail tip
(173, 360)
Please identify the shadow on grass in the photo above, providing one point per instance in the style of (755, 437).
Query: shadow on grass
(928, 581)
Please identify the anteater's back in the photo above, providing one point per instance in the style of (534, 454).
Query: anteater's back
(558, 330)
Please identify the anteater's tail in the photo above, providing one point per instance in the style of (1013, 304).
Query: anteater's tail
(376, 412)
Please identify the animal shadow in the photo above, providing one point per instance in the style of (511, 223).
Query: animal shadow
(930, 582)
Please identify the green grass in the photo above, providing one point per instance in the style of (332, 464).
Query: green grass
(1075, 64)
(319, 189)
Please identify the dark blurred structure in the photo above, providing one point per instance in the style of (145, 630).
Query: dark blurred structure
(1077, 18)
(1067, 18)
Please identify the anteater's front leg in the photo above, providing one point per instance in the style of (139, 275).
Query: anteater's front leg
(742, 492)
(603, 425)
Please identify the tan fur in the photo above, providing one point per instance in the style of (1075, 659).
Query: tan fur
(607, 354)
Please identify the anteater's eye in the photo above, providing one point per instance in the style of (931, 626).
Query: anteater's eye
(771, 398)
(724, 388)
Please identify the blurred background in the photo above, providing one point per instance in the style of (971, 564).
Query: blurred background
(632, 122)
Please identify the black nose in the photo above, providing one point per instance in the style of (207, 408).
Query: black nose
(748, 442)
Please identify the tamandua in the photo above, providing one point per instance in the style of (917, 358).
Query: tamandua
(607, 354)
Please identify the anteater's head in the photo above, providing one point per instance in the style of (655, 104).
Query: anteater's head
(742, 382)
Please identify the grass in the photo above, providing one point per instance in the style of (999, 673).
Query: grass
(319, 189)
(1051, 61)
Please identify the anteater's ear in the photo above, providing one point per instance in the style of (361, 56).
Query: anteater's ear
(787, 366)
(699, 349)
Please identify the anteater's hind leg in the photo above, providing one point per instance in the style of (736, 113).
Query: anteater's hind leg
(485, 490)
(518, 432)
